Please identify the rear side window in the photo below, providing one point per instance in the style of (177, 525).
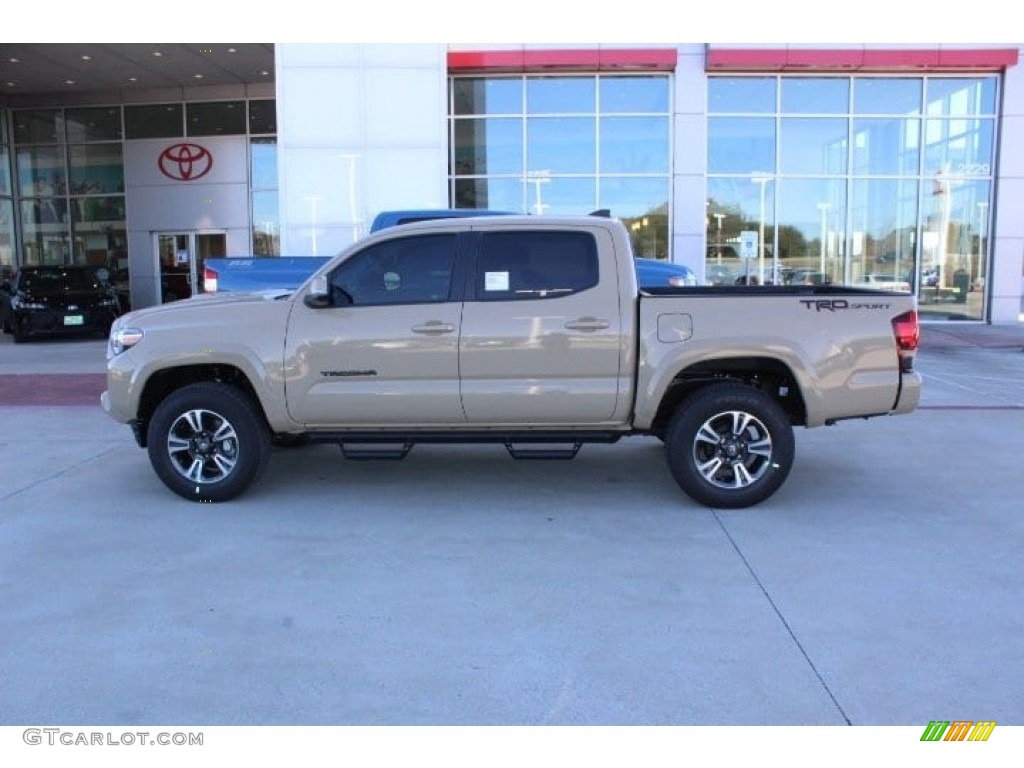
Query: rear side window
(535, 265)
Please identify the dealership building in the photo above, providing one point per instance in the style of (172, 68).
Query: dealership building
(885, 166)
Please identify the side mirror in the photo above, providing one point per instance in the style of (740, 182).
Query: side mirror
(319, 295)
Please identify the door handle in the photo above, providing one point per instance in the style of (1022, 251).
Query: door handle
(433, 327)
(587, 324)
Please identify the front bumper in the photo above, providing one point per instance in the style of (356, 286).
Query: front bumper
(53, 322)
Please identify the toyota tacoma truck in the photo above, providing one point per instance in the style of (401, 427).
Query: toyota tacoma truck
(514, 330)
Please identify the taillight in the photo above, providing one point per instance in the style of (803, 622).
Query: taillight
(209, 280)
(908, 334)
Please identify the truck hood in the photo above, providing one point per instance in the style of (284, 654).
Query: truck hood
(204, 301)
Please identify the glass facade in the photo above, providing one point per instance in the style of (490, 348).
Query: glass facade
(69, 176)
(882, 181)
(566, 144)
(7, 246)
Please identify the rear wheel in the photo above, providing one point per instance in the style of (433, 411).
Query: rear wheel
(730, 446)
(208, 441)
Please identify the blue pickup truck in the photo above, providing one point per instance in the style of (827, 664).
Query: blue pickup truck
(285, 273)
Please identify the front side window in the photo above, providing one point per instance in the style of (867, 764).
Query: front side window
(407, 270)
(535, 265)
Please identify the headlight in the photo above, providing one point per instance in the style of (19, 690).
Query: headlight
(122, 339)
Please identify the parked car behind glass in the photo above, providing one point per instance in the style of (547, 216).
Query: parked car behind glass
(58, 300)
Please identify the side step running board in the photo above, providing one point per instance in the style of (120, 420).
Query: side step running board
(365, 451)
(535, 451)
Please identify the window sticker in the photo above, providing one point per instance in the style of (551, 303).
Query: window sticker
(495, 281)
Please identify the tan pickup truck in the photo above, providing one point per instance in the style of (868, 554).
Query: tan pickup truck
(521, 330)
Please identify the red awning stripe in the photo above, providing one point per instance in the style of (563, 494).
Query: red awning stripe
(859, 59)
(592, 59)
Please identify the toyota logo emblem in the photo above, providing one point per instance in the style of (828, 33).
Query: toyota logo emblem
(185, 162)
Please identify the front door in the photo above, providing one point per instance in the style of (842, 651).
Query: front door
(386, 352)
(181, 256)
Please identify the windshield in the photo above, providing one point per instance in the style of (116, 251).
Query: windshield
(60, 280)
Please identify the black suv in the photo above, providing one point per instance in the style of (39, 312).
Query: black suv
(58, 300)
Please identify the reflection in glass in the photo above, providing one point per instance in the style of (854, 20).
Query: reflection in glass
(960, 96)
(6, 237)
(886, 146)
(815, 95)
(954, 247)
(736, 205)
(216, 118)
(96, 168)
(102, 245)
(958, 147)
(263, 159)
(41, 171)
(487, 96)
(488, 145)
(5, 170)
(266, 230)
(499, 194)
(44, 233)
(154, 121)
(98, 209)
(631, 196)
(642, 205)
(561, 144)
(920, 189)
(634, 144)
(561, 95)
(741, 94)
(93, 124)
(886, 96)
(644, 214)
(38, 126)
(812, 237)
(554, 195)
(741, 145)
(43, 210)
(810, 145)
(634, 94)
(263, 116)
(883, 230)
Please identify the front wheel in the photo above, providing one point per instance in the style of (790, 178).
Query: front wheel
(730, 446)
(208, 441)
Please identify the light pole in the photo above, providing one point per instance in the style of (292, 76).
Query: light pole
(824, 208)
(718, 238)
(982, 222)
(763, 181)
(313, 200)
(537, 178)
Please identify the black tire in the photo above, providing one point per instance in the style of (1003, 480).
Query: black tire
(730, 446)
(208, 441)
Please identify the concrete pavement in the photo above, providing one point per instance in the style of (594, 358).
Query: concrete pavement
(881, 586)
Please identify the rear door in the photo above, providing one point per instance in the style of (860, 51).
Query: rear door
(541, 329)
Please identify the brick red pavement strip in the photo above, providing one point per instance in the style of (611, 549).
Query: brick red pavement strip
(52, 388)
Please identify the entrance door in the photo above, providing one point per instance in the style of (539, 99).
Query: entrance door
(181, 256)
